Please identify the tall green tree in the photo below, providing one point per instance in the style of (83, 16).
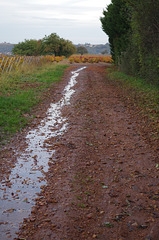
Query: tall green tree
(49, 45)
(133, 30)
(82, 50)
(28, 48)
(66, 48)
(116, 24)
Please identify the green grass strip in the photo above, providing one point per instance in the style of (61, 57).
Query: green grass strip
(143, 95)
(20, 92)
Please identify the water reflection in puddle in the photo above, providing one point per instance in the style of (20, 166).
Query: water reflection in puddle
(18, 192)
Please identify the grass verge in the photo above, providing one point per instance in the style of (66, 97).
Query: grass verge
(143, 96)
(21, 91)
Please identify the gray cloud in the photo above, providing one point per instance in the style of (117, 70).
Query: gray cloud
(76, 20)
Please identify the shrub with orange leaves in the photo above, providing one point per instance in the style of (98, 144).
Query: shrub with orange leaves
(58, 59)
(90, 58)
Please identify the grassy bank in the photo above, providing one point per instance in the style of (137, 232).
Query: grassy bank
(20, 91)
(143, 96)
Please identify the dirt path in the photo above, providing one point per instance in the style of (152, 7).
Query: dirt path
(103, 181)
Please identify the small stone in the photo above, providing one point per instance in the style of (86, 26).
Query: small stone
(47, 220)
(90, 215)
(135, 224)
(32, 219)
(108, 225)
(94, 236)
(143, 226)
(101, 212)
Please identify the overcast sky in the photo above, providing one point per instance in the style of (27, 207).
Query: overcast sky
(75, 20)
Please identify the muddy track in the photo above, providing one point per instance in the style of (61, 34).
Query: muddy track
(102, 181)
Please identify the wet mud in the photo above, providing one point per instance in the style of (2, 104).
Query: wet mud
(101, 179)
(19, 189)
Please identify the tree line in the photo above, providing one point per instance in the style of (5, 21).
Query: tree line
(133, 30)
(49, 45)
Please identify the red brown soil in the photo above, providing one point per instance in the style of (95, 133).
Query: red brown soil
(103, 183)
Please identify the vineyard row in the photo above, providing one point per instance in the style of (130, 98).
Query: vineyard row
(8, 63)
(12, 63)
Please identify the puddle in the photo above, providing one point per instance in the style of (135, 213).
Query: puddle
(17, 193)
